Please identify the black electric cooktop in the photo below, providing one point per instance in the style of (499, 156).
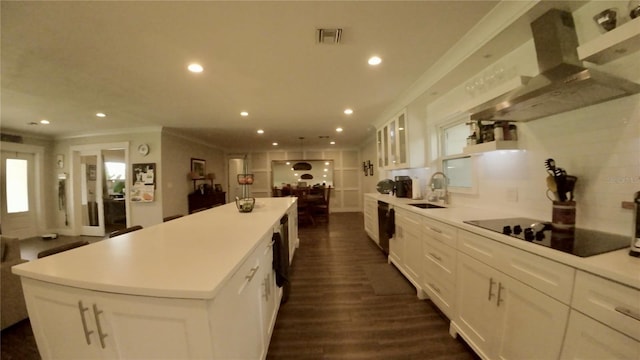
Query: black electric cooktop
(579, 242)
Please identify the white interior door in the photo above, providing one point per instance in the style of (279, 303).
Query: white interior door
(91, 204)
(19, 213)
(236, 166)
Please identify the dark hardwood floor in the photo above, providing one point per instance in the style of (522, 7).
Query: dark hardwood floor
(333, 311)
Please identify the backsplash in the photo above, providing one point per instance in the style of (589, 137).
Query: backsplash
(599, 144)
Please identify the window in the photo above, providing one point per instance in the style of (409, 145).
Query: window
(17, 186)
(115, 170)
(457, 166)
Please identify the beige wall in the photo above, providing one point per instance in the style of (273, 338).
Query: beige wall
(177, 152)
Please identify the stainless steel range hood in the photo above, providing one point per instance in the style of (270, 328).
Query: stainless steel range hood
(563, 84)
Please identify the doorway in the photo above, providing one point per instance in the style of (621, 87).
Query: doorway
(100, 202)
(18, 181)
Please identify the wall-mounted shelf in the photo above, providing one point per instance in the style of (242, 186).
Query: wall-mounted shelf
(612, 45)
(491, 146)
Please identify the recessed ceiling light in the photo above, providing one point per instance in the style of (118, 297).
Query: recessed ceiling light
(348, 111)
(275, 144)
(101, 115)
(244, 113)
(332, 143)
(195, 68)
(260, 131)
(374, 60)
(288, 163)
(44, 122)
(339, 129)
(326, 163)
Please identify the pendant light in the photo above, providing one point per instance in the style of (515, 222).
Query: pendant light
(302, 165)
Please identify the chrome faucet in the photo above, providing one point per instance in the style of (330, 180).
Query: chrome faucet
(439, 190)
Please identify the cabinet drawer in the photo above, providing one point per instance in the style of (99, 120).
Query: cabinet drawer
(479, 247)
(440, 289)
(440, 255)
(408, 221)
(613, 304)
(548, 276)
(589, 339)
(439, 231)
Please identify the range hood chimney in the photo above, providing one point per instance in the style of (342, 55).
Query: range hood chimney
(563, 83)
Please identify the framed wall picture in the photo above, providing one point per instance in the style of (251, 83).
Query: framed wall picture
(198, 168)
(91, 172)
(144, 174)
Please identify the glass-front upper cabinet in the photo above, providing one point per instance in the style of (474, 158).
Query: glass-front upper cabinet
(392, 143)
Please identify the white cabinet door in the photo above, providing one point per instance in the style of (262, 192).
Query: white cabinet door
(71, 323)
(476, 288)
(371, 218)
(392, 143)
(531, 325)
(589, 339)
(270, 296)
(154, 328)
(62, 322)
(236, 314)
(412, 248)
(503, 318)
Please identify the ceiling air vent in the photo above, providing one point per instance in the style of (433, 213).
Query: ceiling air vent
(328, 36)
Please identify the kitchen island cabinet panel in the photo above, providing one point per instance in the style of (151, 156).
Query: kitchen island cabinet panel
(238, 323)
(71, 323)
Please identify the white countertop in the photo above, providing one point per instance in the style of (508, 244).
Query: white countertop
(615, 265)
(190, 257)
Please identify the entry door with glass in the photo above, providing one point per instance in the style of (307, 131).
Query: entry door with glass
(19, 218)
(91, 204)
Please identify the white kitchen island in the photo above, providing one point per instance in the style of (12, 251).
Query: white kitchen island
(201, 286)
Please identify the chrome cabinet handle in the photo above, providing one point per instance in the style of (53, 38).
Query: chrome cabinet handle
(435, 256)
(101, 335)
(435, 230)
(252, 273)
(491, 282)
(87, 332)
(628, 312)
(500, 299)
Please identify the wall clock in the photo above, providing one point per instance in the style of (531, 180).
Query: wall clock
(143, 149)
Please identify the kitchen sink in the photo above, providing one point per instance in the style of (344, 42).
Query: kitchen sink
(428, 206)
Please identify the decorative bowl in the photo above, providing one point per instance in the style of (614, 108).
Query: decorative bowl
(245, 204)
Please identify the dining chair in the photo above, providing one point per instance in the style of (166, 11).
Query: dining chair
(172, 217)
(320, 210)
(61, 248)
(124, 231)
(304, 209)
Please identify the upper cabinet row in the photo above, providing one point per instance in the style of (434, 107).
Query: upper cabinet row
(401, 142)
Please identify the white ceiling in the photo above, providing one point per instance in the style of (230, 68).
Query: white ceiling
(66, 61)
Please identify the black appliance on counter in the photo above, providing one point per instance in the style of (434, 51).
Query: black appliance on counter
(579, 242)
(386, 225)
(403, 186)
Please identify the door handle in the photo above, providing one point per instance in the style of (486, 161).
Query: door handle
(101, 335)
(500, 299)
(252, 273)
(87, 332)
(491, 282)
(435, 256)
